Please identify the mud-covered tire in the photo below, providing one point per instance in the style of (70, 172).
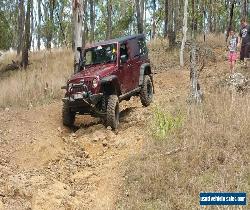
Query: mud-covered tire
(113, 112)
(146, 94)
(68, 116)
(104, 104)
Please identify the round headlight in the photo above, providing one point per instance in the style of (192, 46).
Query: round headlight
(95, 83)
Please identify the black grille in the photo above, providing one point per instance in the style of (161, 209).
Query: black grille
(88, 83)
(79, 88)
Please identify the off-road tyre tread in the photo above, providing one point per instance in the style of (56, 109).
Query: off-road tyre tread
(111, 120)
(68, 116)
(104, 108)
(144, 94)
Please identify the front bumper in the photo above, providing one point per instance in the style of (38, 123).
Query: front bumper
(83, 99)
(85, 105)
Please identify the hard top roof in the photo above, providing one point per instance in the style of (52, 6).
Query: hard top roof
(119, 40)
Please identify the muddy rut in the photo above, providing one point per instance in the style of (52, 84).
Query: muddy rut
(44, 165)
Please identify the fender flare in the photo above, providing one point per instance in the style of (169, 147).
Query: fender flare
(142, 72)
(111, 80)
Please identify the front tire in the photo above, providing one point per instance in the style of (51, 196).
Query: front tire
(113, 112)
(68, 116)
(146, 94)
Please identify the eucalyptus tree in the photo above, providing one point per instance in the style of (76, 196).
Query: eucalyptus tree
(109, 19)
(92, 20)
(77, 8)
(39, 24)
(26, 44)
(21, 18)
(139, 16)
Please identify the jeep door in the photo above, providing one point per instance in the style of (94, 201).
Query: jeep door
(125, 69)
(136, 62)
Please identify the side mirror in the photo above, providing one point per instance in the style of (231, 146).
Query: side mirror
(124, 58)
(79, 49)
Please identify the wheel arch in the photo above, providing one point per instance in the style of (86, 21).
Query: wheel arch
(110, 85)
(145, 69)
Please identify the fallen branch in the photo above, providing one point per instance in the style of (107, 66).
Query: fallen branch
(11, 67)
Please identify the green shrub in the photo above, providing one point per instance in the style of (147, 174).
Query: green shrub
(164, 123)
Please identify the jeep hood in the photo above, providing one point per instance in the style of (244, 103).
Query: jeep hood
(100, 70)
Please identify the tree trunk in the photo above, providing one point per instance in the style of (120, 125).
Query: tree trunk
(192, 21)
(244, 8)
(204, 23)
(92, 23)
(145, 17)
(32, 25)
(85, 24)
(230, 19)
(171, 28)
(25, 51)
(138, 17)
(154, 19)
(51, 23)
(184, 39)
(109, 20)
(166, 19)
(39, 25)
(210, 14)
(196, 93)
(77, 7)
(178, 14)
(142, 8)
(21, 20)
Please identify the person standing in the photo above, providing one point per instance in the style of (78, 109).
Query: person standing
(244, 40)
(232, 46)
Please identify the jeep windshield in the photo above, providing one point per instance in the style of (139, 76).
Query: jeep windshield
(101, 54)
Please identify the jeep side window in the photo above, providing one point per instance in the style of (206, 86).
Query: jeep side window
(142, 46)
(133, 48)
(124, 51)
(88, 57)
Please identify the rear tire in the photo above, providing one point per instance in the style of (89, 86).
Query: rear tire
(113, 112)
(146, 94)
(68, 116)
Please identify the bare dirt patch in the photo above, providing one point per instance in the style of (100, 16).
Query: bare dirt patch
(45, 165)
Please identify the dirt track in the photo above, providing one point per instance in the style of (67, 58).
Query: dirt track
(44, 165)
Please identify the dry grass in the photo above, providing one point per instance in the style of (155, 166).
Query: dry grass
(161, 56)
(7, 58)
(40, 83)
(213, 41)
(215, 158)
(207, 152)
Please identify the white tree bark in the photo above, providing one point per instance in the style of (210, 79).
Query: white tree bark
(196, 93)
(184, 39)
(77, 6)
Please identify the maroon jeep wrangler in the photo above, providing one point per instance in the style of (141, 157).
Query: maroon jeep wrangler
(108, 73)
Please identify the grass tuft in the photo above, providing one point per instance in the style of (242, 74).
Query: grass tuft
(164, 123)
